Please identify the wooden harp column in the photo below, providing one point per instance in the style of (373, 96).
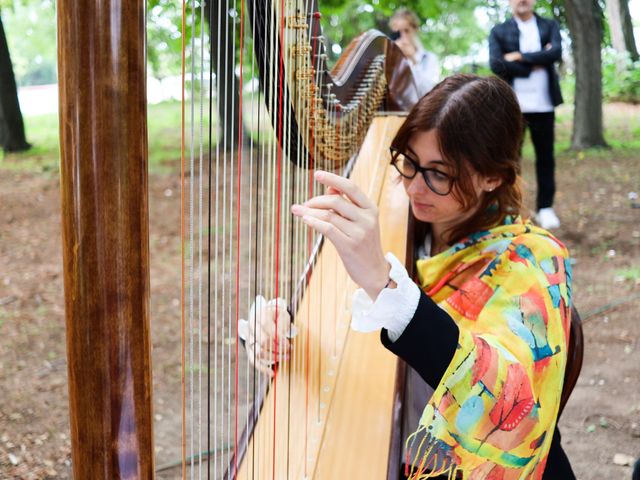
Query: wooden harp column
(103, 138)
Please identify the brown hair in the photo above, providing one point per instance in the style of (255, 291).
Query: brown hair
(478, 124)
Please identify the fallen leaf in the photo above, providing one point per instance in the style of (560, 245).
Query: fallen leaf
(623, 459)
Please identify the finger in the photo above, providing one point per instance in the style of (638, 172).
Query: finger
(327, 229)
(265, 356)
(258, 363)
(337, 203)
(273, 356)
(345, 186)
(343, 225)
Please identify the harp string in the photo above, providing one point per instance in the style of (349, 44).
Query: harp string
(182, 244)
(238, 233)
(256, 111)
(218, 413)
(201, 231)
(191, 243)
(264, 251)
(209, 258)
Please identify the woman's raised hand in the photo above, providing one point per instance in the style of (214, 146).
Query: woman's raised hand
(350, 221)
(267, 341)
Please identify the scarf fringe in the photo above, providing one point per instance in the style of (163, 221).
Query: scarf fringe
(433, 462)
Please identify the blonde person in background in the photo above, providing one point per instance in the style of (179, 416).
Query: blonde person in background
(405, 24)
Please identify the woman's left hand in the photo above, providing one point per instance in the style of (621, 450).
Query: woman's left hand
(350, 221)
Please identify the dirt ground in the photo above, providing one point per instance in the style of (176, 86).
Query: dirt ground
(600, 224)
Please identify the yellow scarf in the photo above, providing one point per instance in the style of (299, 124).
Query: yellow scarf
(494, 412)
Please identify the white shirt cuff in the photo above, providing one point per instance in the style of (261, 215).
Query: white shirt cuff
(393, 309)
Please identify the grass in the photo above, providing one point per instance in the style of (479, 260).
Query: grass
(163, 123)
(622, 133)
(42, 132)
(631, 273)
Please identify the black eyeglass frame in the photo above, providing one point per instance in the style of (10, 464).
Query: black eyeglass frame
(395, 153)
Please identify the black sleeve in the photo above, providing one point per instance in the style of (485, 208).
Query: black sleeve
(558, 465)
(428, 342)
(499, 66)
(547, 57)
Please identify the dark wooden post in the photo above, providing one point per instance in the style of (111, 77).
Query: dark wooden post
(103, 138)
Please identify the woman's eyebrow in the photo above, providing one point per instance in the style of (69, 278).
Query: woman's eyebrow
(414, 155)
(438, 162)
(415, 158)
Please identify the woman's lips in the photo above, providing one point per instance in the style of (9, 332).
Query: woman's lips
(421, 205)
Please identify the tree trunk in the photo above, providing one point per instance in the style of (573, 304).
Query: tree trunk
(12, 138)
(584, 18)
(627, 29)
(621, 27)
(615, 25)
(223, 38)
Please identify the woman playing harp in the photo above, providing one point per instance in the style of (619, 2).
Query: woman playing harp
(485, 323)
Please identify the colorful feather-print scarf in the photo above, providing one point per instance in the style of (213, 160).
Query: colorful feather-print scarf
(494, 412)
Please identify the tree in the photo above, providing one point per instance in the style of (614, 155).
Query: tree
(450, 27)
(12, 136)
(584, 18)
(621, 27)
(223, 35)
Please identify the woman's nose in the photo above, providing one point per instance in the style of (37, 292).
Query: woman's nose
(415, 185)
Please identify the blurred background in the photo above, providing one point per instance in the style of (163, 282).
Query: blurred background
(598, 177)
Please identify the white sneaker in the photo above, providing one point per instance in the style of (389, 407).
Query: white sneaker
(547, 218)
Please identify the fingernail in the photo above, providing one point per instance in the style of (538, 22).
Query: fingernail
(318, 174)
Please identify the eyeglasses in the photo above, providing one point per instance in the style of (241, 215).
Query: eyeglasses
(439, 182)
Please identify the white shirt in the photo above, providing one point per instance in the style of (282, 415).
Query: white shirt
(532, 91)
(395, 307)
(426, 70)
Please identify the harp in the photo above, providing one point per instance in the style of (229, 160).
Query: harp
(322, 415)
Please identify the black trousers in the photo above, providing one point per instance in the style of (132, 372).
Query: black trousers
(557, 468)
(542, 129)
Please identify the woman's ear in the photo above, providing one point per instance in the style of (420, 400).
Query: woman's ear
(489, 184)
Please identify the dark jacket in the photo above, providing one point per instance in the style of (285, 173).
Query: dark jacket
(505, 38)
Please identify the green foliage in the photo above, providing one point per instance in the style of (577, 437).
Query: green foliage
(30, 28)
(620, 77)
(568, 87)
(450, 26)
(164, 36)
